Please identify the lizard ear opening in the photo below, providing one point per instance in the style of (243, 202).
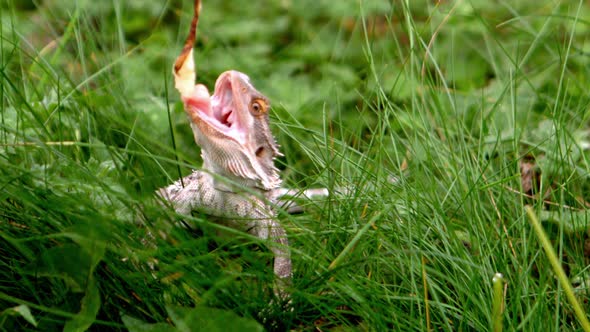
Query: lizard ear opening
(260, 152)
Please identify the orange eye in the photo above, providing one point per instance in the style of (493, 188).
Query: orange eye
(258, 106)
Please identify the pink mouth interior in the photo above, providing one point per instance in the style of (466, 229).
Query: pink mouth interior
(221, 104)
(218, 111)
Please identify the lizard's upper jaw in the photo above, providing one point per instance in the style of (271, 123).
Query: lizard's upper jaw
(225, 113)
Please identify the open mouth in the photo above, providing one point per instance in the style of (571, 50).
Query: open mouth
(220, 111)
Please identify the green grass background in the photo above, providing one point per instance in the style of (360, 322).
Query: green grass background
(425, 111)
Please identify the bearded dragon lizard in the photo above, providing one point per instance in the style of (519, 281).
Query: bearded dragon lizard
(232, 128)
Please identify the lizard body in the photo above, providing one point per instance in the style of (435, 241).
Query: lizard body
(249, 211)
(239, 181)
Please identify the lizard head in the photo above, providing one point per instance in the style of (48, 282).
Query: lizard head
(231, 126)
(232, 129)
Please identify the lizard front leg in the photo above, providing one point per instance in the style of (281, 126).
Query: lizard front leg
(269, 229)
(258, 218)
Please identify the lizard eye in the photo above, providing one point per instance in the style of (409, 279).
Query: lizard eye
(258, 106)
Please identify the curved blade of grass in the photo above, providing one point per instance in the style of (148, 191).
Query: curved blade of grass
(352, 242)
(567, 287)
